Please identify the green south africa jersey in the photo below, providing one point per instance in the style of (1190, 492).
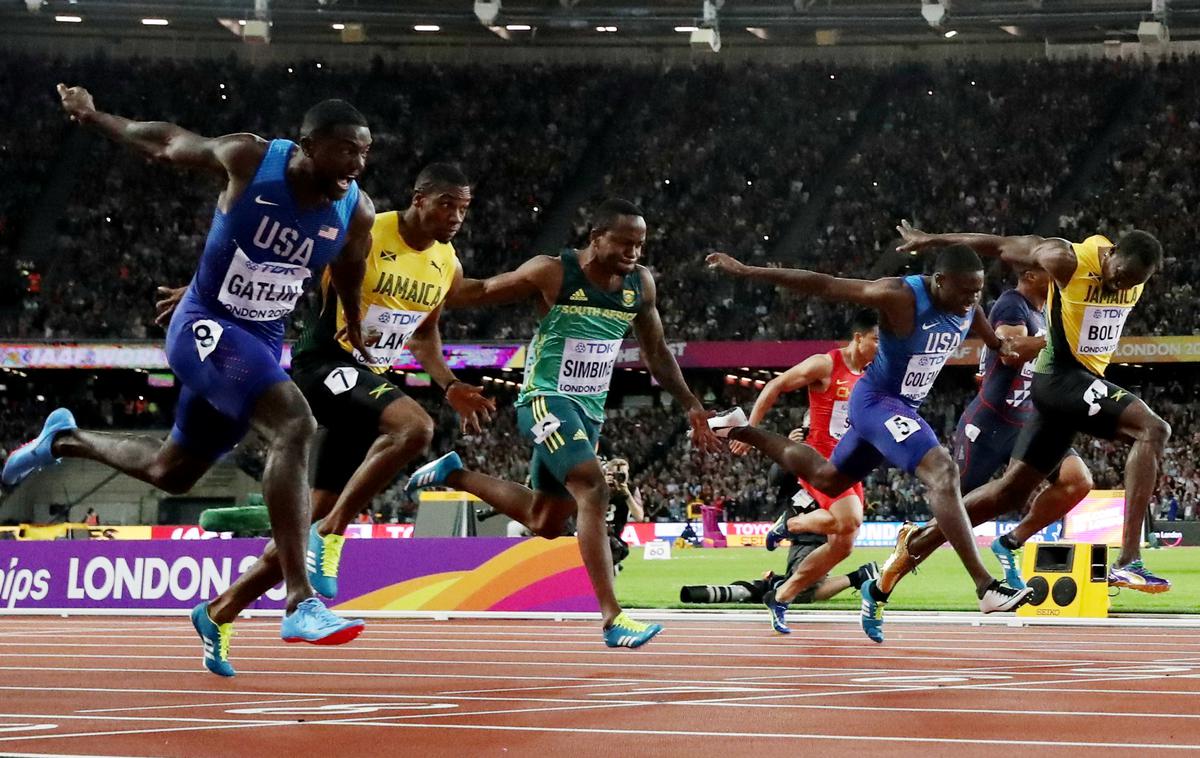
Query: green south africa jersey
(576, 345)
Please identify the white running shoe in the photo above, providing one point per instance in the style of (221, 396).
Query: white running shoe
(725, 423)
(1001, 597)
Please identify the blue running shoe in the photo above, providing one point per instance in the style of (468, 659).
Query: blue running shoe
(434, 473)
(778, 531)
(215, 638)
(872, 612)
(778, 613)
(35, 453)
(322, 559)
(625, 632)
(1135, 576)
(312, 622)
(1008, 562)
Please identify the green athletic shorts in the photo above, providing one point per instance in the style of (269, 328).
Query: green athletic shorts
(563, 437)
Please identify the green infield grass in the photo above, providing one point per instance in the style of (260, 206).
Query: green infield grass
(941, 585)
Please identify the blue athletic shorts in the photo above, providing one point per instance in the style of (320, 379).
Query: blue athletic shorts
(223, 370)
(882, 428)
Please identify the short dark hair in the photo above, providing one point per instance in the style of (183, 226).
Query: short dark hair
(1141, 248)
(605, 216)
(440, 176)
(957, 259)
(330, 113)
(864, 320)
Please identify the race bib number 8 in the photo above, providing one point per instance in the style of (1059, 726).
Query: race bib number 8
(261, 291)
(207, 333)
(1100, 329)
(587, 366)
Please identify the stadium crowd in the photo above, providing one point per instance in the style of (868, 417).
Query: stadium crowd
(941, 154)
(745, 158)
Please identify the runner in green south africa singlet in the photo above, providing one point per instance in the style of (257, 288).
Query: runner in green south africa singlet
(568, 369)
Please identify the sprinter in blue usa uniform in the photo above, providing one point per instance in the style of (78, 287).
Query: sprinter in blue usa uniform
(287, 211)
(923, 320)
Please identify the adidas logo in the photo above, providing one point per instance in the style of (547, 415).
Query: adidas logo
(579, 295)
(580, 435)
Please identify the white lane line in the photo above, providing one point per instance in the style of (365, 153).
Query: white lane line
(154, 730)
(518, 677)
(859, 690)
(172, 719)
(738, 630)
(782, 650)
(69, 755)
(199, 705)
(765, 643)
(958, 709)
(785, 736)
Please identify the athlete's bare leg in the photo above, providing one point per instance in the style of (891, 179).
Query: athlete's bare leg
(797, 458)
(1074, 482)
(405, 431)
(847, 514)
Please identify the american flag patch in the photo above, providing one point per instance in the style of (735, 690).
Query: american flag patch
(327, 232)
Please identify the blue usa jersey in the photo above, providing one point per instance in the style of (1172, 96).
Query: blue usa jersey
(1005, 389)
(906, 367)
(260, 255)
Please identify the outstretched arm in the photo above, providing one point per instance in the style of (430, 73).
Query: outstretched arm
(1027, 251)
(648, 328)
(466, 399)
(812, 370)
(347, 271)
(510, 287)
(889, 296)
(236, 155)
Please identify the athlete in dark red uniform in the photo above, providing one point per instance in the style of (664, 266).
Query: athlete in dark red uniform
(829, 377)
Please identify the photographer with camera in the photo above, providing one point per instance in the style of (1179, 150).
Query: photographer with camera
(623, 503)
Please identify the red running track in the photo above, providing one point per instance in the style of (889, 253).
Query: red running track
(135, 687)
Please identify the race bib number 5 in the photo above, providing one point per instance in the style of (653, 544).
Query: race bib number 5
(901, 427)
(587, 366)
(261, 291)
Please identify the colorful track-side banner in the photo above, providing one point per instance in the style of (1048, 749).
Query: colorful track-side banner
(762, 354)
(434, 574)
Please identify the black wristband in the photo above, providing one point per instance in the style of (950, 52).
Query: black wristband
(446, 389)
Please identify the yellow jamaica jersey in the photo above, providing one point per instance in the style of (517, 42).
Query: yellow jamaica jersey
(1085, 319)
(401, 287)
